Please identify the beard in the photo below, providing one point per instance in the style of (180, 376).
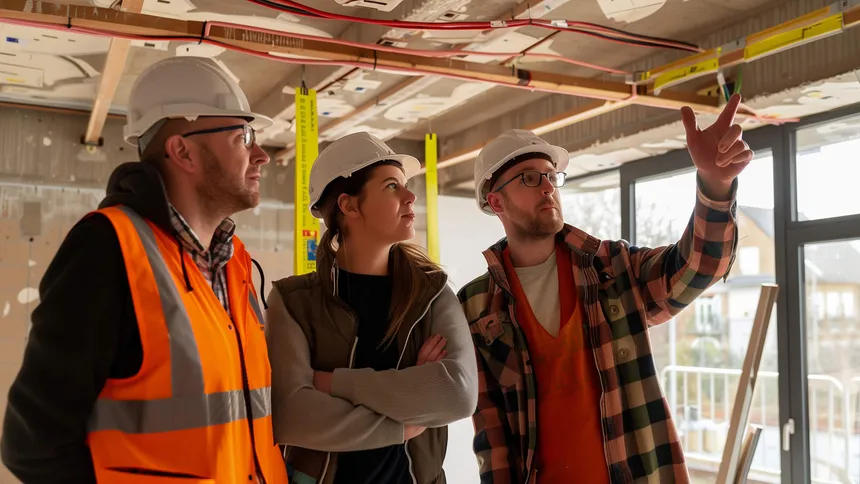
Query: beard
(220, 192)
(532, 224)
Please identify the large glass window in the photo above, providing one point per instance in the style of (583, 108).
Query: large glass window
(832, 287)
(594, 205)
(699, 354)
(828, 169)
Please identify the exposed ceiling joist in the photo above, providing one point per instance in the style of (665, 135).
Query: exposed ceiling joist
(283, 156)
(821, 23)
(253, 40)
(576, 115)
(524, 9)
(417, 11)
(457, 69)
(840, 16)
(110, 77)
(316, 78)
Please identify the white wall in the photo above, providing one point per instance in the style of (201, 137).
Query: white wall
(464, 232)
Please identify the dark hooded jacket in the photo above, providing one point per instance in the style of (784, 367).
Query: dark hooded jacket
(84, 332)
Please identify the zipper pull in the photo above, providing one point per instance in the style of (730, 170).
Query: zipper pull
(334, 279)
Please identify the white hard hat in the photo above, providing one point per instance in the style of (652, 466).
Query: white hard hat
(185, 87)
(346, 156)
(506, 147)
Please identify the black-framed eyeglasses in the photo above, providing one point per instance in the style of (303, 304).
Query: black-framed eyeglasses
(533, 179)
(249, 135)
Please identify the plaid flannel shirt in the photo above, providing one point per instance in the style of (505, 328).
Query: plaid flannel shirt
(623, 290)
(211, 262)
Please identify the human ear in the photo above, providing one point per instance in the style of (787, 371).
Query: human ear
(347, 205)
(179, 153)
(495, 202)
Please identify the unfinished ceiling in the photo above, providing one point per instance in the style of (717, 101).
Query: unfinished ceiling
(67, 69)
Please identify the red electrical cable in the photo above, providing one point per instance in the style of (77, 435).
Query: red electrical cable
(418, 52)
(296, 8)
(264, 55)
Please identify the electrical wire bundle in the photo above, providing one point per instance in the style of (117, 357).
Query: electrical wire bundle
(299, 9)
(584, 28)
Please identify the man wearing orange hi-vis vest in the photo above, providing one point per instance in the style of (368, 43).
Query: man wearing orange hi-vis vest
(147, 360)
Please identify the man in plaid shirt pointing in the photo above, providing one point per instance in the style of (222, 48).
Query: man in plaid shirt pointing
(569, 392)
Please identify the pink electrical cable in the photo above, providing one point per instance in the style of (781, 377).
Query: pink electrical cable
(418, 52)
(565, 25)
(265, 55)
(358, 64)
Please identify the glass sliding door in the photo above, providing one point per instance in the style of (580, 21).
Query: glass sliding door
(825, 237)
(832, 298)
(700, 353)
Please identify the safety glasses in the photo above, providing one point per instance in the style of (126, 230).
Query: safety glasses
(533, 179)
(250, 136)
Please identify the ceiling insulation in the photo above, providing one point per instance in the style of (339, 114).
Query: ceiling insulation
(65, 68)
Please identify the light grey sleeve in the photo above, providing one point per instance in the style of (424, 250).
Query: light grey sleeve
(305, 417)
(430, 395)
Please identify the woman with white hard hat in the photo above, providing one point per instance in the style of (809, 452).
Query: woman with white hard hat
(371, 356)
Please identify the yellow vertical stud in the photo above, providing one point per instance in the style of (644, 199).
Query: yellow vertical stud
(306, 225)
(432, 184)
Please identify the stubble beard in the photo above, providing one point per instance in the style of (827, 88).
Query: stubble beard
(532, 226)
(220, 193)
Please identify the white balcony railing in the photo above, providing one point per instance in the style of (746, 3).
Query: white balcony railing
(702, 399)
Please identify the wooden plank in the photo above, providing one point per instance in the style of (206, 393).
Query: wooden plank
(735, 56)
(111, 74)
(127, 23)
(576, 115)
(731, 461)
(110, 77)
(748, 452)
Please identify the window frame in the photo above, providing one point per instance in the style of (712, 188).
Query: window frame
(790, 235)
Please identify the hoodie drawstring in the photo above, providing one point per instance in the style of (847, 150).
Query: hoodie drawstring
(334, 279)
(184, 270)
(262, 283)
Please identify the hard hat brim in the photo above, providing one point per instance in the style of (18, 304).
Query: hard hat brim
(257, 121)
(260, 122)
(560, 158)
(410, 165)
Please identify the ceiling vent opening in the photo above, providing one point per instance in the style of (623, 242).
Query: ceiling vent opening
(381, 5)
(451, 16)
(391, 43)
(151, 44)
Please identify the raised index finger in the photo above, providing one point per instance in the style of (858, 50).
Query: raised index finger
(727, 117)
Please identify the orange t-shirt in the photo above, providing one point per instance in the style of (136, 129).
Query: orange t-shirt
(570, 440)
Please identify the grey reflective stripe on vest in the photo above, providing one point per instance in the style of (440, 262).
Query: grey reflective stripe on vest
(177, 413)
(256, 307)
(189, 406)
(186, 371)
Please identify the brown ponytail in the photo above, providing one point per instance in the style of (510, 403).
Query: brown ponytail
(325, 249)
(408, 264)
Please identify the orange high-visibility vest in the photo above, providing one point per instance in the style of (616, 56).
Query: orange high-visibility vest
(200, 405)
